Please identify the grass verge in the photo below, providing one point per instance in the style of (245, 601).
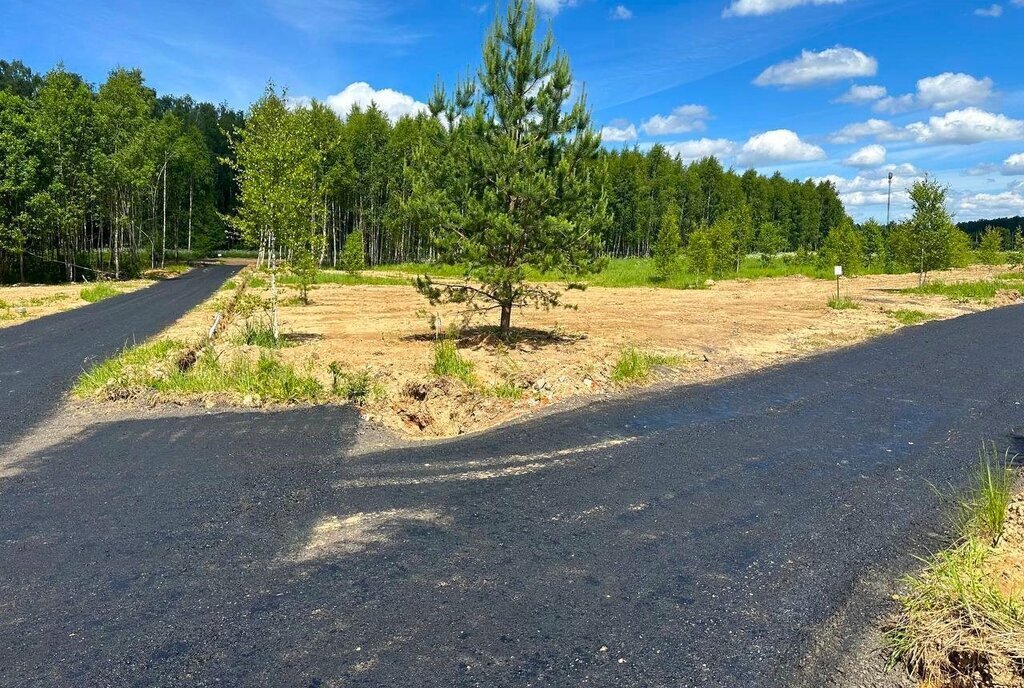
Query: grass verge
(98, 292)
(982, 290)
(957, 626)
(910, 316)
(634, 365)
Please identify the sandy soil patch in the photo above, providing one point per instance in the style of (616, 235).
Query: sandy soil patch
(733, 327)
(30, 301)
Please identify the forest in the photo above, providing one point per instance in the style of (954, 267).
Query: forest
(108, 181)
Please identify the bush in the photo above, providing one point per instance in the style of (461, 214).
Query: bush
(843, 246)
(353, 259)
(990, 248)
(667, 245)
(701, 254)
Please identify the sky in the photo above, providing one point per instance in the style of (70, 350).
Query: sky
(846, 90)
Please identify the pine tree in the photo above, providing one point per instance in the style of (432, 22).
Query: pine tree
(514, 186)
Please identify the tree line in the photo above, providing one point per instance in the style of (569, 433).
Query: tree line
(108, 180)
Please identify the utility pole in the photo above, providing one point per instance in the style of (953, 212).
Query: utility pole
(888, 205)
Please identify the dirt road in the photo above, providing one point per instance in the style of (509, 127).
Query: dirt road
(710, 535)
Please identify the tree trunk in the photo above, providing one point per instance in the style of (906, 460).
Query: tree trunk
(506, 319)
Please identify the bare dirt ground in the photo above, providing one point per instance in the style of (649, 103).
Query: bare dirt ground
(732, 327)
(29, 301)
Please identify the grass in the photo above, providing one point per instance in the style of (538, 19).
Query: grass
(346, 279)
(259, 333)
(230, 285)
(448, 362)
(98, 292)
(158, 367)
(954, 623)
(635, 365)
(982, 290)
(842, 303)
(357, 386)
(506, 389)
(909, 316)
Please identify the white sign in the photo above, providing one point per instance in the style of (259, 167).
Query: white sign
(839, 271)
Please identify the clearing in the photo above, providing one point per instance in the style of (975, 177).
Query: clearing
(381, 335)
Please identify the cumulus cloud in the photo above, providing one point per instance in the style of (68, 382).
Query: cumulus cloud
(618, 132)
(941, 92)
(859, 95)
(970, 125)
(982, 169)
(868, 156)
(993, 11)
(759, 8)
(878, 128)
(813, 68)
(392, 103)
(871, 187)
(988, 205)
(698, 149)
(684, 118)
(1014, 164)
(622, 13)
(778, 145)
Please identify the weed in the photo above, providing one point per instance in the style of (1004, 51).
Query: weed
(506, 389)
(230, 285)
(982, 290)
(636, 366)
(842, 303)
(98, 292)
(983, 510)
(909, 316)
(448, 362)
(259, 333)
(357, 387)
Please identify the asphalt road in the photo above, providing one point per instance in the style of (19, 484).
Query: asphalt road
(40, 359)
(703, 536)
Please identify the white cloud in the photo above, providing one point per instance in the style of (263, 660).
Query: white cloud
(970, 125)
(812, 68)
(622, 13)
(868, 156)
(878, 128)
(982, 169)
(684, 118)
(618, 132)
(1014, 164)
(990, 205)
(759, 8)
(949, 90)
(701, 148)
(871, 187)
(993, 11)
(894, 105)
(392, 103)
(941, 92)
(862, 94)
(779, 145)
(553, 7)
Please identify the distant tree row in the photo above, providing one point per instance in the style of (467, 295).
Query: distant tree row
(107, 180)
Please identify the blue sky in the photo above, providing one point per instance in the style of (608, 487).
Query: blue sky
(763, 83)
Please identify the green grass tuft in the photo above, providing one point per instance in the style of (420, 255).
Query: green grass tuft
(506, 389)
(909, 316)
(448, 362)
(357, 386)
(843, 303)
(259, 333)
(98, 292)
(635, 365)
(982, 290)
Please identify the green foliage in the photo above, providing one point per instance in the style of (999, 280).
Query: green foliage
(448, 362)
(515, 184)
(990, 247)
(983, 508)
(771, 240)
(353, 258)
(634, 365)
(506, 389)
(929, 240)
(98, 292)
(668, 246)
(910, 316)
(982, 290)
(345, 278)
(700, 253)
(258, 332)
(842, 303)
(843, 247)
(357, 386)
(158, 367)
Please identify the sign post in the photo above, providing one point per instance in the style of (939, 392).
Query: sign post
(839, 273)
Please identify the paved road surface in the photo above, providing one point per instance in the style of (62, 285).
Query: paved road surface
(40, 359)
(692, 537)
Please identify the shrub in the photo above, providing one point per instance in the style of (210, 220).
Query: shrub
(353, 259)
(990, 247)
(667, 246)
